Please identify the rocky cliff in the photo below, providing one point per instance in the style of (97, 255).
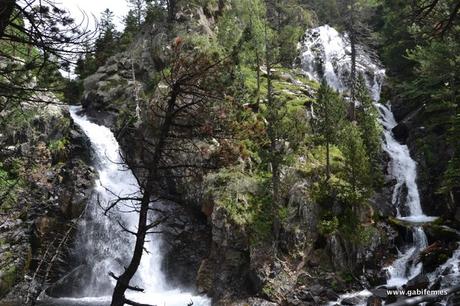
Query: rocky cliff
(45, 164)
(423, 129)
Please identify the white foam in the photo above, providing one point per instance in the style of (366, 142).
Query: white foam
(104, 245)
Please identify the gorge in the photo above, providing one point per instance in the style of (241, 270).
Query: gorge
(287, 161)
(102, 245)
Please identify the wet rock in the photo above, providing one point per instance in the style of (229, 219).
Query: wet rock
(72, 284)
(434, 255)
(401, 132)
(42, 212)
(374, 301)
(245, 302)
(227, 266)
(420, 281)
(351, 301)
(453, 300)
(381, 201)
(376, 277)
(187, 242)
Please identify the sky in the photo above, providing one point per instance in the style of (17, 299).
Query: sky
(95, 7)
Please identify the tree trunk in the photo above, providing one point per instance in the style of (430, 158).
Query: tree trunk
(272, 117)
(118, 297)
(6, 10)
(328, 163)
(352, 33)
(353, 73)
(258, 76)
(171, 9)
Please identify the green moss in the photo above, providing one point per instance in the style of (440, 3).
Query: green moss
(246, 199)
(8, 279)
(17, 119)
(268, 290)
(347, 277)
(9, 188)
(58, 146)
(328, 226)
(367, 234)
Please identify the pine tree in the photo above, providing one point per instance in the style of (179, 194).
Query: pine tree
(137, 11)
(274, 117)
(357, 166)
(330, 113)
(367, 119)
(451, 180)
(356, 14)
(106, 45)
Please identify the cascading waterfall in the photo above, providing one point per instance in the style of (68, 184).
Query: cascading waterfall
(404, 169)
(102, 243)
(326, 53)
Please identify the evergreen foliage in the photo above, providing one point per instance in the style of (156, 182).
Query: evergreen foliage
(330, 114)
(420, 45)
(357, 170)
(367, 118)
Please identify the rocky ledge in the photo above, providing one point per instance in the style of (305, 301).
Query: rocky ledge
(45, 160)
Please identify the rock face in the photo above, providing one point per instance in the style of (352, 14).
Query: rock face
(205, 245)
(227, 266)
(425, 134)
(187, 237)
(48, 156)
(309, 268)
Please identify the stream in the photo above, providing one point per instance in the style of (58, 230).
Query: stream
(325, 53)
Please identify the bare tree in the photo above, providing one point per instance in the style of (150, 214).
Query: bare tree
(180, 116)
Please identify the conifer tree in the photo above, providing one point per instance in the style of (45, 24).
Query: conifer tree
(452, 174)
(357, 165)
(330, 113)
(367, 119)
(106, 44)
(138, 10)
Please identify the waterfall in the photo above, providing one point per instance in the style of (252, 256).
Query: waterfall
(326, 53)
(102, 243)
(404, 169)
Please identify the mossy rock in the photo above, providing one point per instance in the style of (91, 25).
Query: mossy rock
(442, 232)
(8, 277)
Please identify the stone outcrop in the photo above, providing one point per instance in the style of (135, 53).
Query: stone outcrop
(48, 156)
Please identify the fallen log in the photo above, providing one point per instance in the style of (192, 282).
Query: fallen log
(425, 298)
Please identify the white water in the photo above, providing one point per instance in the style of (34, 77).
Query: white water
(103, 244)
(324, 45)
(449, 272)
(404, 169)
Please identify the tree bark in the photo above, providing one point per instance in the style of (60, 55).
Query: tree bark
(274, 150)
(6, 10)
(328, 162)
(258, 76)
(118, 297)
(353, 67)
(171, 9)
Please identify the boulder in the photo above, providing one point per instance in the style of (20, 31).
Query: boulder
(187, 240)
(72, 284)
(401, 132)
(420, 281)
(374, 301)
